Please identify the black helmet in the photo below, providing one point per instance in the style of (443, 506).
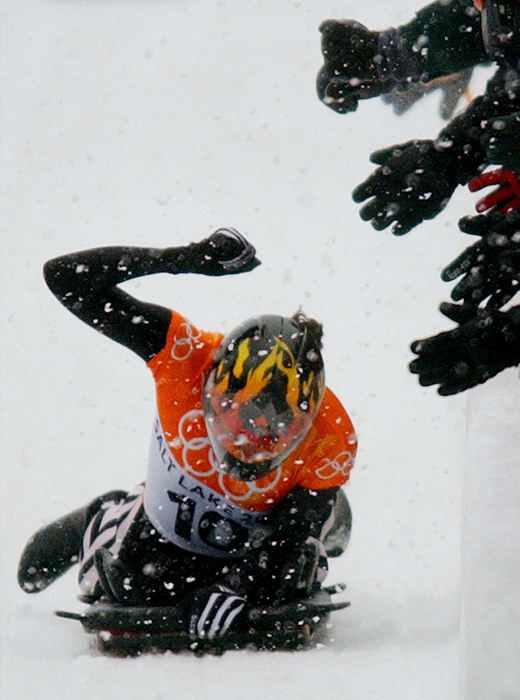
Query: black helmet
(263, 392)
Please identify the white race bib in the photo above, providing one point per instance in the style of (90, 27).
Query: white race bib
(187, 512)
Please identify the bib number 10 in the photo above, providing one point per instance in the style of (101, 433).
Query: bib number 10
(214, 529)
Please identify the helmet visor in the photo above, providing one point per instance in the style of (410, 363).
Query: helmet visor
(252, 437)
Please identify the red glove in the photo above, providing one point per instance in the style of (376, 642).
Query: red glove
(505, 198)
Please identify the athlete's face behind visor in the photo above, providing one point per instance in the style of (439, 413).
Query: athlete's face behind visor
(257, 407)
(250, 438)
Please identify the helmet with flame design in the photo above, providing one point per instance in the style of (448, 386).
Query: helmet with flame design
(263, 393)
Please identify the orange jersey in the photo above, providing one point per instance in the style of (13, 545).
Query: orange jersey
(187, 497)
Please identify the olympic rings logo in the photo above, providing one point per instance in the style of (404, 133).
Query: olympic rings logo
(193, 422)
(340, 465)
(185, 339)
(194, 439)
(251, 487)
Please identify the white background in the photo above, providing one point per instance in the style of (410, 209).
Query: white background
(153, 123)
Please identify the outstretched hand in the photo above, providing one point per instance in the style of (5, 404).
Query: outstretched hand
(483, 344)
(349, 73)
(490, 268)
(413, 183)
(225, 252)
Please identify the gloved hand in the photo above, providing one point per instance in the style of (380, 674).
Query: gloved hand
(213, 610)
(118, 581)
(299, 574)
(225, 252)
(501, 140)
(491, 266)
(483, 344)
(414, 183)
(131, 585)
(505, 198)
(350, 72)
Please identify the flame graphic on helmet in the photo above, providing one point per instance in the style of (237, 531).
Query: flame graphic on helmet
(247, 378)
(263, 393)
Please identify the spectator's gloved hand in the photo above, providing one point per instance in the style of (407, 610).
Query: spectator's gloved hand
(490, 268)
(507, 195)
(483, 344)
(213, 610)
(350, 72)
(414, 182)
(501, 141)
(225, 252)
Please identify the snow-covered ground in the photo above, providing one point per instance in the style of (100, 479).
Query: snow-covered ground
(153, 123)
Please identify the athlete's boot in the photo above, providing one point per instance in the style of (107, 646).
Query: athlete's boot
(53, 549)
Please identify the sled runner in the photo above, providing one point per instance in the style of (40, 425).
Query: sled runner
(128, 631)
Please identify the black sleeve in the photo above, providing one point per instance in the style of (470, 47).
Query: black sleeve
(280, 536)
(444, 37)
(86, 283)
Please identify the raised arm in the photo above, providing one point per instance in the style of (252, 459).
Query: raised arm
(87, 284)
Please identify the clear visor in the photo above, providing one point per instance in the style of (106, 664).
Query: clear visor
(251, 446)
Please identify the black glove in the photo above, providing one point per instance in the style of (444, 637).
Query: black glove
(281, 558)
(501, 140)
(213, 610)
(118, 581)
(349, 72)
(151, 584)
(414, 183)
(483, 344)
(225, 252)
(299, 574)
(491, 266)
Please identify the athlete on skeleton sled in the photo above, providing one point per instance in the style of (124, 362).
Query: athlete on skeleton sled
(248, 454)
